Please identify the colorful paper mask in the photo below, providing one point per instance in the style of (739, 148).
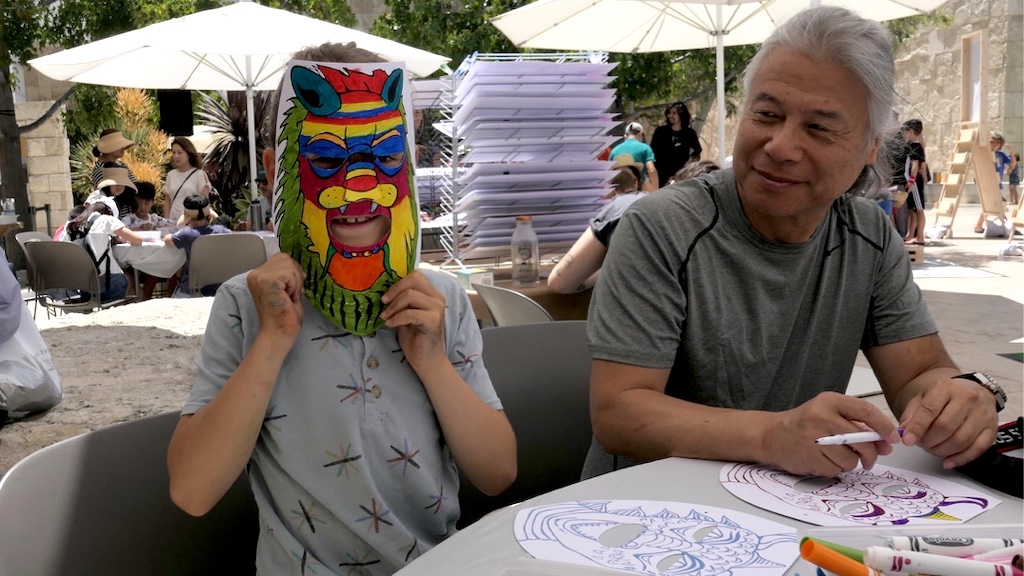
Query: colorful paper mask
(344, 198)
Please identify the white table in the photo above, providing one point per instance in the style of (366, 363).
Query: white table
(153, 258)
(490, 547)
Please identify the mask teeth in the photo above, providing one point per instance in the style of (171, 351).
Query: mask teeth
(343, 209)
(373, 207)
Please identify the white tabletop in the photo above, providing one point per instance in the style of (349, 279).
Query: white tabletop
(489, 546)
(152, 257)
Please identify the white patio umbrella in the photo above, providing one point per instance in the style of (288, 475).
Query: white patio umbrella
(634, 26)
(242, 46)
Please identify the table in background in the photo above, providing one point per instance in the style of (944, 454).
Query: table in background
(153, 257)
(489, 545)
(560, 306)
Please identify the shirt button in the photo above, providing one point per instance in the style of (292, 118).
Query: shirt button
(375, 391)
(372, 362)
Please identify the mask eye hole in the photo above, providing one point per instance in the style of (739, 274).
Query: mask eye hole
(325, 165)
(391, 160)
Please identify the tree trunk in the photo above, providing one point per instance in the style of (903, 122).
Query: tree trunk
(12, 172)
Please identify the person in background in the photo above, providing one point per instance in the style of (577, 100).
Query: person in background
(117, 184)
(75, 211)
(675, 143)
(731, 309)
(367, 433)
(580, 268)
(109, 152)
(692, 170)
(1014, 178)
(194, 222)
(142, 218)
(915, 176)
(95, 229)
(634, 146)
(1004, 160)
(185, 178)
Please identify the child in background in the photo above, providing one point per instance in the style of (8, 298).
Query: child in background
(142, 218)
(195, 222)
(1014, 178)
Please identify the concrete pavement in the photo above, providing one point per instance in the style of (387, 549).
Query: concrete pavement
(977, 298)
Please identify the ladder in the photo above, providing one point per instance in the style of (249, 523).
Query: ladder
(969, 152)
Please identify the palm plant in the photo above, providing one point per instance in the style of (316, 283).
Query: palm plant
(147, 158)
(228, 157)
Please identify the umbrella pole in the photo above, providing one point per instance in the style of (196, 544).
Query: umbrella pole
(255, 218)
(720, 80)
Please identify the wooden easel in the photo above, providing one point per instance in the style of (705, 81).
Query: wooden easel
(971, 150)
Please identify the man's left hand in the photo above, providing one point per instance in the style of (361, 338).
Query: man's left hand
(954, 419)
(416, 310)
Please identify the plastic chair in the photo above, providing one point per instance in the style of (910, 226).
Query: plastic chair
(541, 372)
(215, 258)
(509, 308)
(64, 265)
(99, 504)
(22, 238)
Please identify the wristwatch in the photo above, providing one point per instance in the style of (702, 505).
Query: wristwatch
(988, 382)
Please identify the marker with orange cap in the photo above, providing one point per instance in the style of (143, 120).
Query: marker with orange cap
(833, 561)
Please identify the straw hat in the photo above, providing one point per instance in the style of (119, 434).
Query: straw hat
(113, 142)
(116, 175)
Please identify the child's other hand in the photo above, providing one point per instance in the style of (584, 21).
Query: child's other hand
(276, 288)
(416, 309)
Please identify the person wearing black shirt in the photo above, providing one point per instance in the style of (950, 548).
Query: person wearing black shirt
(675, 143)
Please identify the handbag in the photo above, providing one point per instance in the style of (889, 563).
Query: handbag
(29, 381)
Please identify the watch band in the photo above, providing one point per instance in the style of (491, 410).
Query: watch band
(988, 382)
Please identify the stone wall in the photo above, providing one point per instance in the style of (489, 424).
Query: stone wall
(46, 152)
(46, 149)
(928, 75)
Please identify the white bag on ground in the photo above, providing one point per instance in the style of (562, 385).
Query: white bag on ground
(994, 229)
(29, 381)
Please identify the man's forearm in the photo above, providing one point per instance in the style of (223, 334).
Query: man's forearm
(648, 425)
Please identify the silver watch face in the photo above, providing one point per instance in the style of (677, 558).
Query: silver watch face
(989, 382)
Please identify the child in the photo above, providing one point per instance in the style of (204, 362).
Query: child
(194, 222)
(1014, 178)
(116, 184)
(142, 218)
(94, 229)
(350, 434)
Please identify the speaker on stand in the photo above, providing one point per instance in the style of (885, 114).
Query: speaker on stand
(175, 111)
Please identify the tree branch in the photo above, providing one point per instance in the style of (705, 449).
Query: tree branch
(49, 113)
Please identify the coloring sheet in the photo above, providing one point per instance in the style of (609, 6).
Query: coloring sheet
(651, 537)
(883, 496)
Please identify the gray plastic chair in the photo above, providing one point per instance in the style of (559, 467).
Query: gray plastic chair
(215, 258)
(541, 372)
(510, 308)
(98, 504)
(22, 238)
(65, 266)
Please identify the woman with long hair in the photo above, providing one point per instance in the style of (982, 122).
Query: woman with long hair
(186, 177)
(675, 143)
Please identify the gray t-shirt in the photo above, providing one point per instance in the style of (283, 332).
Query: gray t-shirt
(350, 472)
(743, 322)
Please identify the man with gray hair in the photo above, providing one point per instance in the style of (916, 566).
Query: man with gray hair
(732, 306)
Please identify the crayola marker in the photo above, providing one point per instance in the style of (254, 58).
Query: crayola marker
(906, 562)
(945, 546)
(833, 561)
